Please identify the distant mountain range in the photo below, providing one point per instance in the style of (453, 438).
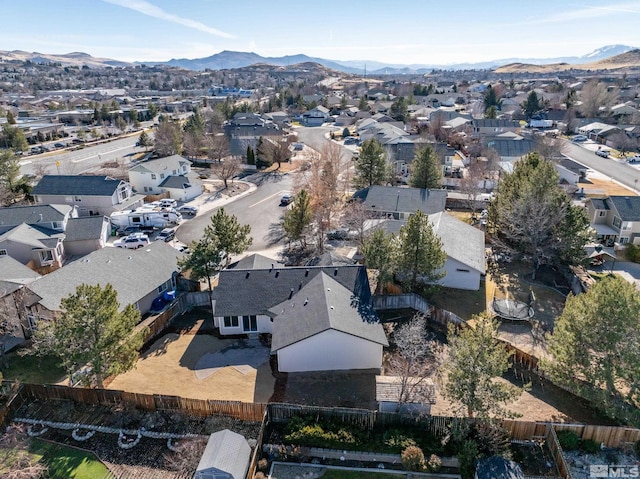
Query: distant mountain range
(228, 60)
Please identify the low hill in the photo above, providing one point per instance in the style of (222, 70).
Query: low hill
(65, 59)
(625, 61)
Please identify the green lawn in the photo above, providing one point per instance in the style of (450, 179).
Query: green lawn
(65, 462)
(342, 474)
(33, 369)
(62, 462)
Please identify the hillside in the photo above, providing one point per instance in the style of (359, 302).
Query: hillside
(67, 59)
(625, 61)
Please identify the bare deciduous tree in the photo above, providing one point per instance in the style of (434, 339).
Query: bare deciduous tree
(276, 150)
(227, 168)
(416, 360)
(355, 217)
(217, 146)
(548, 148)
(596, 98)
(472, 183)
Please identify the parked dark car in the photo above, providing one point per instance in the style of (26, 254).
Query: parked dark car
(339, 234)
(188, 210)
(126, 231)
(167, 234)
(286, 200)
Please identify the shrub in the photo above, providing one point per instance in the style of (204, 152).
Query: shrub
(412, 459)
(492, 439)
(590, 446)
(632, 252)
(398, 440)
(263, 465)
(259, 475)
(569, 440)
(434, 463)
(466, 458)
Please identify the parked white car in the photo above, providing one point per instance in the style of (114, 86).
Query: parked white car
(634, 159)
(133, 241)
(168, 203)
(603, 153)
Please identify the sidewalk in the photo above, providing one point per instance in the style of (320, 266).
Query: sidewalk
(208, 201)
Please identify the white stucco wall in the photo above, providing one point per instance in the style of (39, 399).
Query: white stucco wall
(330, 350)
(460, 276)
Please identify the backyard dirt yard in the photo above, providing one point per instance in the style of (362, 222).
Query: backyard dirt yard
(190, 364)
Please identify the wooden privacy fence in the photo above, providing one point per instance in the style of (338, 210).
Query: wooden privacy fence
(556, 451)
(149, 402)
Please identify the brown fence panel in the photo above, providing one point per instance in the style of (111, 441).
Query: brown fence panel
(556, 451)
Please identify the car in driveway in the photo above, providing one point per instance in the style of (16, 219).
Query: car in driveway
(603, 153)
(166, 235)
(188, 210)
(133, 241)
(168, 203)
(579, 138)
(633, 159)
(127, 230)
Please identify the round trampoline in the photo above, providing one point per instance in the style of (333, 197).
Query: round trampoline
(512, 310)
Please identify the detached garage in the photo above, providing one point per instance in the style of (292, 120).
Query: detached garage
(324, 328)
(226, 456)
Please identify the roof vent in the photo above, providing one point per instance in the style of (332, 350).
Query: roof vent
(306, 273)
(306, 300)
(247, 275)
(271, 266)
(128, 257)
(291, 293)
(300, 286)
(335, 272)
(277, 273)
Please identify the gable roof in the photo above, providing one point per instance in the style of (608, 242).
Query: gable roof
(628, 207)
(320, 305)
(32, 215)
(132, 273)
(162, 165)
(255, 261)
(179, 182)
(266, 288)
(403, 200)
(460, 241)
(34, 236)
(84, 228)
(226, 456)
(80, 185)
(511, 148)
(13, 271)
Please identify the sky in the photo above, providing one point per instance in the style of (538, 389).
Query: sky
(389, 31)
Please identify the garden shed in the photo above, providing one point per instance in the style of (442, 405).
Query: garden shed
(226, 456)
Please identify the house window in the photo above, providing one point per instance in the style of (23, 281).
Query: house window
(175, 172)
(624, 240)
(3, 252)
(249, 323)
(460, 270)
(602, 213)
(617, 222)
(162, 288)
(626, 226)
(153, 176)
(161, 175)
(46, 256)
(77, 198)
(231, 322)
(57, 225)
(31, 319)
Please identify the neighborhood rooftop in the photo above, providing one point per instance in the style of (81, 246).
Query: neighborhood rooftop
(76, 185)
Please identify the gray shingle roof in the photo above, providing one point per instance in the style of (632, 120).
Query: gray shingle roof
(460, 241)
(14, 271)
(33, 236)
(403, 200)
(180, 182)
(248, 292)
(255, 261)
(628, 207)
(320, 305)
(76, 185)
(162, 165)
(226, 456)
(599, 203)
(132, 273)
(84, 228)
(15, 215)
(511, 148)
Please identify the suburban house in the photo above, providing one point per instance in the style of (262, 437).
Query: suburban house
(92, 195)
(316, 116)
(246, 129)
(35, 234)
(616, 219)
(492, 127)
(171, 174)
(320, 318)
(570, 172)
(463, 244)
(399, 203)
(511, 150)
(13, 278)
(226, 456)
(86, 234)
(138, 276)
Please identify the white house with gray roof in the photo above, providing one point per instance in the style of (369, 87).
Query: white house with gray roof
(86, 234)
(463, 244)
(138, 276)
(171, 174)
(399, 203)
(92, 195)
(319, 317)
(616, 219)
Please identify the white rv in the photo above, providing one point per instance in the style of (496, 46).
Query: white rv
(145, 218)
